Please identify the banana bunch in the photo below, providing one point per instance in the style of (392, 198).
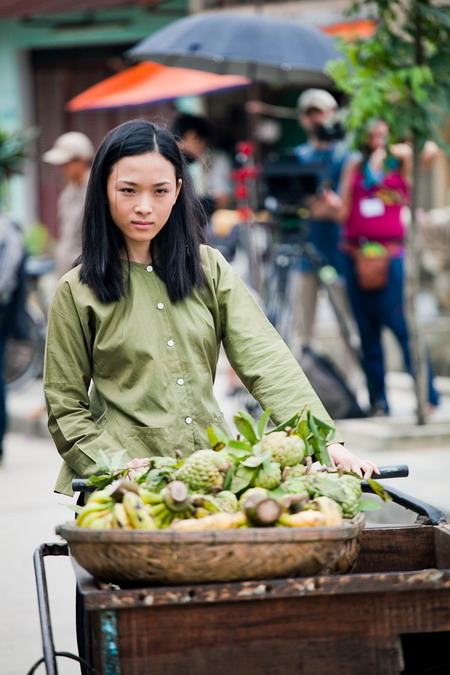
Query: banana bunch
(97, 512)
(118, 506)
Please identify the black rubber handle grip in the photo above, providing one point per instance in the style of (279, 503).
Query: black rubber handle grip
(394, 471)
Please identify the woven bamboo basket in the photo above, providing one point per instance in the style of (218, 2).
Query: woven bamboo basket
(147, 557)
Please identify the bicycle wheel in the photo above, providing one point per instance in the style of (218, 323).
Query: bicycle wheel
(25, 358)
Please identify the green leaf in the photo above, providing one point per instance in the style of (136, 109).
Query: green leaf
(277, 492)
(253, 461)
(311, 424)
(240, 445)
(303, 430)
(101, 481)
(320, 449)
(217, 438)
(103, 462)
(292, 422)
(241, 479)
(368, 505)
(262, 422)
(118, 460)
(245, 427)
(329, 488)
(379, 490)
(228, 478)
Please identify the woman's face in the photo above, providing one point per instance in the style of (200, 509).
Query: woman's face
(377, 136)
(141, 192)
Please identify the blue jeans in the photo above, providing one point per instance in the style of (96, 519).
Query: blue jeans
(3, 340)
(374, 310)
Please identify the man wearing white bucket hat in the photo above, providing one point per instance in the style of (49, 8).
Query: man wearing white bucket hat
(72, 153)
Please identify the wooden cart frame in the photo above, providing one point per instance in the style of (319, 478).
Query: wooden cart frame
(390, 616)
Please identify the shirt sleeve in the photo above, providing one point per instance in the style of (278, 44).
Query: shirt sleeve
(67, 377)
(258, 354)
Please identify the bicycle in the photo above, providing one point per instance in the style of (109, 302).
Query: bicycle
(25, 358)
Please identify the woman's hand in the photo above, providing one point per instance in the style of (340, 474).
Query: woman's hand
(401, 151)
(350, 462)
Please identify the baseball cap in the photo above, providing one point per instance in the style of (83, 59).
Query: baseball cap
(70, 146)
(316, 98)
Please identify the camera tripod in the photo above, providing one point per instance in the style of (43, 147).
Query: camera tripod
(277, 289)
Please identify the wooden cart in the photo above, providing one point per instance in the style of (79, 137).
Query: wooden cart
(391, 615)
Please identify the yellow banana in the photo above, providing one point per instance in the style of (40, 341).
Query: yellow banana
(137, 513)
(215, 521)
(120, 519)
(93, 519)
(329, 509)
(92, 507)
(303, 519)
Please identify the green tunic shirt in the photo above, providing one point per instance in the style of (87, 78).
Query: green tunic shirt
(139, 373)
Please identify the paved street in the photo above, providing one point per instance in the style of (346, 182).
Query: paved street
(31, 510)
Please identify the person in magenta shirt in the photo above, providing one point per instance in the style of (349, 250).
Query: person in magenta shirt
(375, 190)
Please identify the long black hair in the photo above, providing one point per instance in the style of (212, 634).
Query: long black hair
(175, 250)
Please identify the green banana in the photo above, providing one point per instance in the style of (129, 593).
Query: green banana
(100, 497)
(161, 515)
(137, 513)
(94, 507)
(205, 502)
(149, 497)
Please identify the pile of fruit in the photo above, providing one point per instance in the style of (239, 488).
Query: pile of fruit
(262, 478)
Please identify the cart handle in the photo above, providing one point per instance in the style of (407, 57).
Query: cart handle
(49, 658)
(433, 515)
(393, 471)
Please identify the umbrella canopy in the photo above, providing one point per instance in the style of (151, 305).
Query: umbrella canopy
(151, 83)
(257, 46)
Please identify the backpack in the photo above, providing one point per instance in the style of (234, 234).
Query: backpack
(338, 399)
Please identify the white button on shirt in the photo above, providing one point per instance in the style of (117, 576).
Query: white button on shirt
(160, 305)
(188, 420)
(170, 343)
(149, 268)
(180, 381)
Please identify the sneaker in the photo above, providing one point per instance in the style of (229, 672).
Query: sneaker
(379, 409)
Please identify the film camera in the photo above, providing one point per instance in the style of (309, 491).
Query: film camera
(286, 184)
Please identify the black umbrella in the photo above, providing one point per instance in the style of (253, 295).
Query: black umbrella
(260, 47)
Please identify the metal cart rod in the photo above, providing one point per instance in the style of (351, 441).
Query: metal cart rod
(433, 515)
(49, 658)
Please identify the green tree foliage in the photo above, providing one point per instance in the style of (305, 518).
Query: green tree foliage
(401, 75)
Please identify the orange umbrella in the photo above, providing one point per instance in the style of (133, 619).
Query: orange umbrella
(352, 30)
(150, 82)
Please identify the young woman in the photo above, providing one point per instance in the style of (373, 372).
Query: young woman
(375, 189)
(135, 329)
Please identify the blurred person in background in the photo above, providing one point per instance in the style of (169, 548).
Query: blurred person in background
(317, 230)
(325, 152)
(208, 166)
(210, 170)
(13, 296)
(375, 190)
(72, 153)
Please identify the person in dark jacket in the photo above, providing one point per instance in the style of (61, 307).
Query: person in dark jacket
(12, 302)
